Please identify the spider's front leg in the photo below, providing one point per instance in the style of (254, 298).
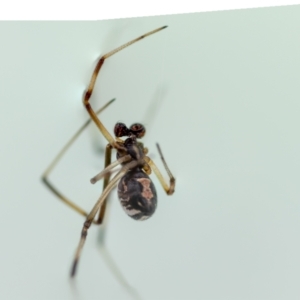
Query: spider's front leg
(91, 86)
(169, 188)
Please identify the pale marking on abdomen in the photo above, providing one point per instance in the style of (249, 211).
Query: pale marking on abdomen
(146, 193)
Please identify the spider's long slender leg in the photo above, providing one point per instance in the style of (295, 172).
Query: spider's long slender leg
(101, 238)
(94, 211)
(105, 182)
(90, 88)
(59, 156)
(169, 188)
(108, 170)
(106, 174)
(117, 273)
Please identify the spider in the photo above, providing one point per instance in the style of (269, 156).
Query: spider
(136, 192)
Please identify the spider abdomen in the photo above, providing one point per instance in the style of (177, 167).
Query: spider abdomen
(137, 194)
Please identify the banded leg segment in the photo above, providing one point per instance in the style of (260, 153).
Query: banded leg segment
(91, 86)
(94, 211)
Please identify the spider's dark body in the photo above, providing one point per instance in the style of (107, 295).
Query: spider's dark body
(137, 194)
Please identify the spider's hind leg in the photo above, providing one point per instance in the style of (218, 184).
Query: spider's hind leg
(45, 176)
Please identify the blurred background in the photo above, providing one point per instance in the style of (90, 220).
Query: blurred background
(220, 92)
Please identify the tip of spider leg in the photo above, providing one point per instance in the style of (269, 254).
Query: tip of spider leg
(164, 27)
(112, 100)
(74, 267)
(93, 180)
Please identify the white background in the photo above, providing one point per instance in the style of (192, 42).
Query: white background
(93, 9)
(220, 92)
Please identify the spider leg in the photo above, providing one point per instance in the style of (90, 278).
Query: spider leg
(169, 188)
(101, 238)
(115, 270)
(45, 175)
(109, 168)
(105, 183)
(90, 88)
(96, 208)
(106, 174)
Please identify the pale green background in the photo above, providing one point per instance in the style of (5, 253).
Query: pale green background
(220, 91)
